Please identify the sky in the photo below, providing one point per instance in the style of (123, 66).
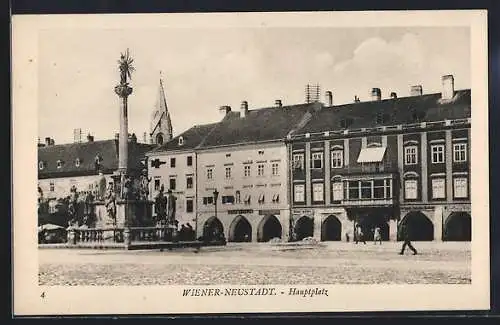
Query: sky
(205, 68)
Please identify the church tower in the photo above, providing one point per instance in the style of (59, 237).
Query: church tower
(161, 126)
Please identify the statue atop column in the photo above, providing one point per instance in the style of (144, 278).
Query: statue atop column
(73, 205)
(144, 185)
(161, 206)
(110, 203)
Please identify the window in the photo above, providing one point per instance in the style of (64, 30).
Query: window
(208, 200)
(460, 152)
(353, 189)
(210, 173)
(298, 161)
(437, 152)
(59, 163)
(298, 191)
(77, 162)
(52, 186)
(460, 188)
(411, 189)
(189, 182)
(157, 184)
(247, 199)
(247, 170)
(228, 199)
(317, 160)
(189, 161)
(181, 141)
(261, 199)
(189, 205)
(41, 165)
(366, 190)
(260, 170)
(379, 189)
(172, 183)
(276, 198)
(338, 191)
(238, 197)
(275, 167)
(318, 192)
(172, 162)
(337, 158)
(228, 172)
(438, 189)
(411, 155)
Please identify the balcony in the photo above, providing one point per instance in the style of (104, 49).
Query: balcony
(369, 202)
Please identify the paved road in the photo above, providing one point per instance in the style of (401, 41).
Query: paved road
(336, 263)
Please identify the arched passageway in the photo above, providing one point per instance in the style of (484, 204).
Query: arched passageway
(331, 229)
(304, 227)
(240, 230)
(457, 227)
(269, 228)
(213, 229)
(369, 222)
(419, 227)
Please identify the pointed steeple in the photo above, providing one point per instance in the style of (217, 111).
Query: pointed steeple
(161, 125)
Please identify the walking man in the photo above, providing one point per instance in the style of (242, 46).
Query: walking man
(359, 237)
(377, 237)
(405, 233)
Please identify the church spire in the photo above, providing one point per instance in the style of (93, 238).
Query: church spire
(161, 125)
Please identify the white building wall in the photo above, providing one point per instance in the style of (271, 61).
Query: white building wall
(180, 172)
(62, 185)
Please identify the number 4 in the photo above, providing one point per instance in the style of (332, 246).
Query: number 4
(43, 294)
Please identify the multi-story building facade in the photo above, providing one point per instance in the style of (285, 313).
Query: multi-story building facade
(173, 166)
(244, 159)
(383, 163)
(83, 165)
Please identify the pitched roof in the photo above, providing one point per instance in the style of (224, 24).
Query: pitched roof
(404, 110)
(160, 109)
(259, 125)
(191, 139)
(86, 153)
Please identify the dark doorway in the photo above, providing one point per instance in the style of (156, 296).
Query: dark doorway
(331, 229)
(213, 229)
(240, 230)
(304, 227)
(458, 227)
(369, 222)
(420, 228)
(269, 228)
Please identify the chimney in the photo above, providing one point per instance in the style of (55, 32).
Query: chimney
(145, 137)
(416, 90)
(244, 108)
(223, 110)
(90, 138)
(278, 103)
(47, 141)
(117, 136)
(132, 138)
(394, 95)
(329, 98)
(448, 87)
(376, 94)
(356, 99)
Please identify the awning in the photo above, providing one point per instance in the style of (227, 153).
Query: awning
(370, 155)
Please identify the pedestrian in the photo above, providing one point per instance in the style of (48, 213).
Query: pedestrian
(405, 233)
(377, 237)
(359, 237)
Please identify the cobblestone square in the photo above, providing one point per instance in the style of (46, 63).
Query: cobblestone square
(259, 264)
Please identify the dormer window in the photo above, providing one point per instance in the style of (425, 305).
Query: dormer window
(77, 162)
(41, 165)
(181, 141)
(59, 163)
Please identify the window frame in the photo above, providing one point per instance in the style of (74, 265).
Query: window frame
(210, 173)
(298, 157)
(408, 181)
(227, 172)
(437, 153)
(247, 170)
(172, 162)
(41, 165)
(315, 195)
(339, 152)
(187, 205)
(337, 187)
(295, 195)
(275, 167)
(187, 182)
(409, 155)
(466, 187)
(260, 170)
(170, 183)
(313, 160)
(459, 151)
(433, 181)
(189, 160)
